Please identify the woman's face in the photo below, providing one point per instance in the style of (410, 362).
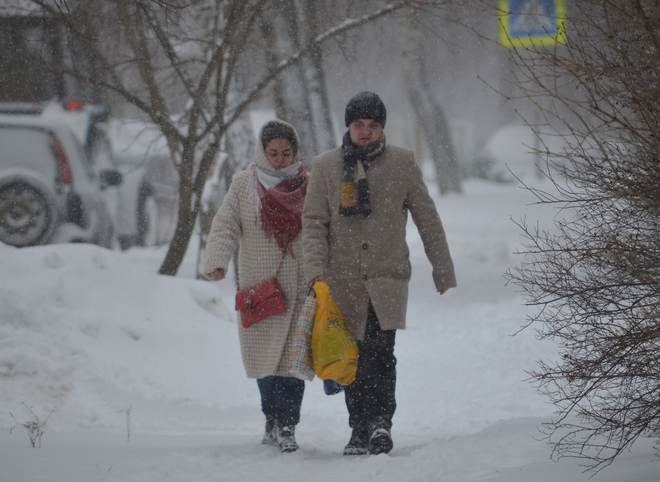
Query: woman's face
(280, 153)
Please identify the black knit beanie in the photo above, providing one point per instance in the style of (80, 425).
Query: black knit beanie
(278, 130)
(365, 105)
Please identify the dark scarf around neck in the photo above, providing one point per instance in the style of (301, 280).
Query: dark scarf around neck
(354, 198)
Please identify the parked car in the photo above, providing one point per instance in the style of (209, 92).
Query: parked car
(147, 205)
(50, 189)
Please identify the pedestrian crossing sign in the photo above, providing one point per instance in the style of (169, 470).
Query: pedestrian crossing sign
(532, 23)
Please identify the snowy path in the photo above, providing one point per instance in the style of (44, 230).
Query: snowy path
(505, 452)
(91, 333)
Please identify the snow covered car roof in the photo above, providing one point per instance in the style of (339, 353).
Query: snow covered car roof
(79, 121)
(34, 121)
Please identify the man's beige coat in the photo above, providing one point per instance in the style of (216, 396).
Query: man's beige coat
(365, 258)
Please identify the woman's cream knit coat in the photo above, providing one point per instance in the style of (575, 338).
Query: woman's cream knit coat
(264, 346)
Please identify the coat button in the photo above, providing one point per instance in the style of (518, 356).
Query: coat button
(365, 246)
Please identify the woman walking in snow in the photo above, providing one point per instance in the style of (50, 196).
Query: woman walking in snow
(261, 215)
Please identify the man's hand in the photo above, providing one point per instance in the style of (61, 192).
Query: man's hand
(443, 291)
(218, 274)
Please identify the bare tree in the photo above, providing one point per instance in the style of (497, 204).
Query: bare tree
(310, 15)
(435, 125)
(594, 280)
(35, 428)
(177, 65)
(300, 94)
(431, 116)
(282, 31)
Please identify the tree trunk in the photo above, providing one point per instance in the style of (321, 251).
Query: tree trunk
(438, 135)
(292, 98)
(179, 243)
(422, 83)
(436, 128)
(187, 214)
(326, 138)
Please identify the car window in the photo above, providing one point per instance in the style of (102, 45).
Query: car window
(24, 147)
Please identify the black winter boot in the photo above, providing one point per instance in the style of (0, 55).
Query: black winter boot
(380, 438)
(286, 438)
(359, 442)
(270, 432)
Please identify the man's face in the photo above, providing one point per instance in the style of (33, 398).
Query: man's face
(364, 131)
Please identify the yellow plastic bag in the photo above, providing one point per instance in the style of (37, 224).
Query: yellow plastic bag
(334, 351)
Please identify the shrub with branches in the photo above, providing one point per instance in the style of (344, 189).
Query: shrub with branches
(35, 428)
(594, 279)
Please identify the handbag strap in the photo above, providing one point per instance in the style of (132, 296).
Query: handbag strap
(279, 267)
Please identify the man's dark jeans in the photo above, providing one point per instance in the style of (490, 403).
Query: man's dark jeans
(371, 398)
(281, 398)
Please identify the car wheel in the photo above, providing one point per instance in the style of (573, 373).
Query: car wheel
(27, 215)
(148, 218)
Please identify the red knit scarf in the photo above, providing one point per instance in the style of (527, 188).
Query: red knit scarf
(281, 209)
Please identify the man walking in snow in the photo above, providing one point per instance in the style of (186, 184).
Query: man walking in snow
(354, 226)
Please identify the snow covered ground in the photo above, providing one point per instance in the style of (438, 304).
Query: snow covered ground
(142, 378)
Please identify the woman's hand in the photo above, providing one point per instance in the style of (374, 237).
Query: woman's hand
(218, 274)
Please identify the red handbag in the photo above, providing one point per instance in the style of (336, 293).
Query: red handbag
(262, 300)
